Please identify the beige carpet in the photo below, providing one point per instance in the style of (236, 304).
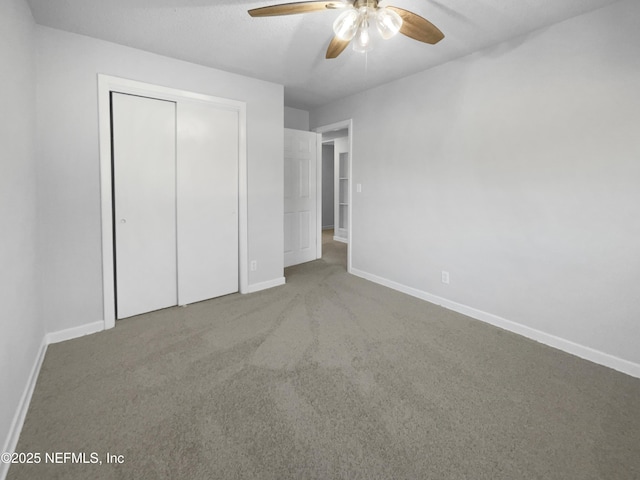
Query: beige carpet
(327, 377)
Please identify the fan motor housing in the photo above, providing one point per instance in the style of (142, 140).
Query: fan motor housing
(365, 3)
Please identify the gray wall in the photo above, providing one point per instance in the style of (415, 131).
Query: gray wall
(296, 119)
(516, 169)
(69, 181)
(22, 330)
(328, 185)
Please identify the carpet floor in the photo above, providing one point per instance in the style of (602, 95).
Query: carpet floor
(327, 377)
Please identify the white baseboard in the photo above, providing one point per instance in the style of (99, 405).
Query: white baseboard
(23, 406)
(340, 239)
(75, 332)
(587, 353)
(256, 287)
(327, 227)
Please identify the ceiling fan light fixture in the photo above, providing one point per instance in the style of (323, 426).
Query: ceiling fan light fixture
(388, 22)
(353, 24)
(346, 25)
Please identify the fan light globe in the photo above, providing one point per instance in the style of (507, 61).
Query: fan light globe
(388, 22)
(362, 42)
(346, 24)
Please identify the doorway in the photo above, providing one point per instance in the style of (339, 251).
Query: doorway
(190, 275)
(328, 186)
(339, 136)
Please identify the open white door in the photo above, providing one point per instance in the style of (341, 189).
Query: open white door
(300, 202)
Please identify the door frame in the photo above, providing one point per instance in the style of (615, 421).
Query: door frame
(348, 124)
(108, 84)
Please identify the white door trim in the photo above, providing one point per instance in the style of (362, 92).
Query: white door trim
(348, 124)
(107, 84)
(319, 196)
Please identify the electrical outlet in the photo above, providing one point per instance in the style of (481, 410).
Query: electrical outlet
(445, 277)
(359, 187)
(254, 265)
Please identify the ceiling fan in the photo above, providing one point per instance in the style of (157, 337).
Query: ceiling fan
(354, 22)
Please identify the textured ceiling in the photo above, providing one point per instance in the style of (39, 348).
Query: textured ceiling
(290, 50)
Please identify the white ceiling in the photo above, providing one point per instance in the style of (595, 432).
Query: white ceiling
(290, 50)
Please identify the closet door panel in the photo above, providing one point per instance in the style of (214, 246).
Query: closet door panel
(207, 201)
(144, 164)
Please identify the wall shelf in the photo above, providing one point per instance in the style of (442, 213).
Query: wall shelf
(341, 158)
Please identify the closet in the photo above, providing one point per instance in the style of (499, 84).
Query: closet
(175, 201)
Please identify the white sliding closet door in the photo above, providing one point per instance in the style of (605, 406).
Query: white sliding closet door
(175, 180)
(144, 156)
(207, 185)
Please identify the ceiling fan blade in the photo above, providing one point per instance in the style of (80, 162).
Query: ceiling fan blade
(293, 8)
(336, 47)
(418, 28)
